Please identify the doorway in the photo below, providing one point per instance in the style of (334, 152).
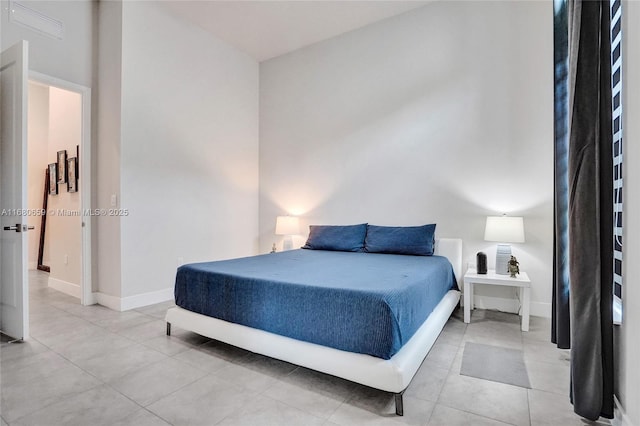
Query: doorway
(59, 185)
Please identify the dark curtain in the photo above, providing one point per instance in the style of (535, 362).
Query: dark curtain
(560, 322)
(590, 178)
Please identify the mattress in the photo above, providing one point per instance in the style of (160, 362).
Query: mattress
(358, 302)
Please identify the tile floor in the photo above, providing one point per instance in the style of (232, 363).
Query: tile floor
(93, 366)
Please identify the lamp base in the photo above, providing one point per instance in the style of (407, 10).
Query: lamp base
(503, 255)
(287, 243)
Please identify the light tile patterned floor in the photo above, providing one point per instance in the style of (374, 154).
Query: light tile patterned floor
(93, 366)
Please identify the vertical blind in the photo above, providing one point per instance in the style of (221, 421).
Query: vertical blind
(616, 93)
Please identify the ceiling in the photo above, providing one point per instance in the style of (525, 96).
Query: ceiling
(266, 29)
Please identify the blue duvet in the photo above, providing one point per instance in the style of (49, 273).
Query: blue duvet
(359, 302)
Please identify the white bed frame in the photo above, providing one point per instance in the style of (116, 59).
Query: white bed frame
(392, 375)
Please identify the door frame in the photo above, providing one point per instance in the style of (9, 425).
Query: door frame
(86, 287)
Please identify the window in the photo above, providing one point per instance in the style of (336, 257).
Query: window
(616, 93)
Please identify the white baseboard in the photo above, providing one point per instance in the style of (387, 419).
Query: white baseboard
(132, 302)
(64, 286)
(620, 416)
(146, 299)
(540, 309)
(111, 302)
(92, 299)
(536, 309)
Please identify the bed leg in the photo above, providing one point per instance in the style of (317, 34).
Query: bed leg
(168, 329)
(399, 406)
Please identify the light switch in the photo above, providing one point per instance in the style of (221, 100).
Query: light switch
(114, 200)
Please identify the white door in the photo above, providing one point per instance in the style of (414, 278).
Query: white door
(14, 290)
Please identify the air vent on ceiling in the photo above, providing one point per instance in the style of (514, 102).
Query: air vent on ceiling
(34, 20)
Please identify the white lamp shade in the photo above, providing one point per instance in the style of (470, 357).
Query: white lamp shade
(287, 225)
(504, 229)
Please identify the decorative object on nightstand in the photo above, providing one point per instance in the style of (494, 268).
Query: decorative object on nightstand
(287, 226)
(481, 263)
(504, 229)
(514, 267)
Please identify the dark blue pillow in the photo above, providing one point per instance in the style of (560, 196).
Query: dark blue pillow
(336, 238)
(415, 240)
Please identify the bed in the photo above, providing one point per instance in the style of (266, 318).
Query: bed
(368, 318)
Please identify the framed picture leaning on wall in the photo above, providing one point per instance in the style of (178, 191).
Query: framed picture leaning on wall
(62, 166)
(72, 174)
(53, 179)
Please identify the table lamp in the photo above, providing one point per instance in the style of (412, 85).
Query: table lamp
(504, 229)
(287, 226)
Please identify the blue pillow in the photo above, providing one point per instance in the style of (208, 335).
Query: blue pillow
(336, 238)
(414, 240)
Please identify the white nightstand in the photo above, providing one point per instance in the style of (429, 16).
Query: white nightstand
(522, 281)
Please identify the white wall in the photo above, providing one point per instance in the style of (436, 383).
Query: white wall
(69, 59)
(107, 256)
(627, 336)
(443, 114)
(37, 154)
(189, 148)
